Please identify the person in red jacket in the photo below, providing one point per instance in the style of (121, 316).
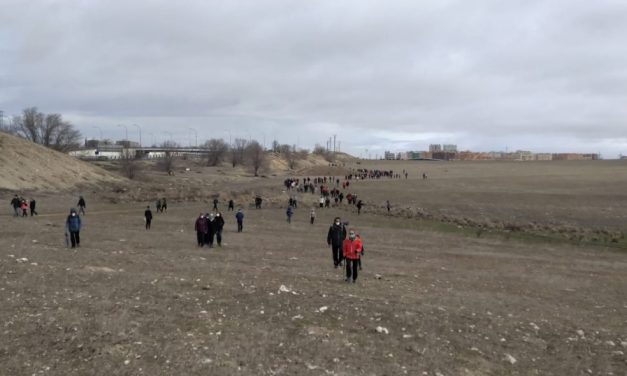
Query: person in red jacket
(352, 251)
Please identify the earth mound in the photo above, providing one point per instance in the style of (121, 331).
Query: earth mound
(25, 165)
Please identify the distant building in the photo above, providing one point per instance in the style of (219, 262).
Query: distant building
(524, 155)
(389, 156)
(444, 155)
(575, 157)
(544, 157)
(449, 148)
(434, 148)
(623, 156)
(127, 144)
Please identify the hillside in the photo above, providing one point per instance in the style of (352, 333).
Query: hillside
(28, 166)
(314, 165)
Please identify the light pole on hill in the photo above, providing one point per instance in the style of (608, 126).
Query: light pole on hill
(171, 137)
(126, 129)
(195, 133)
(140, 134)
(230, 136)
(99, 131)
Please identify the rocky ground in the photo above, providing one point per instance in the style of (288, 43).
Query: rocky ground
(430, 300)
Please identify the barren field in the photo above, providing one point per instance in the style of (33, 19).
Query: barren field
(435, 297)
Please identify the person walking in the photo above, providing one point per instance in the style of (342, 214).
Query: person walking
(231, 205)
(352, 251)
(312, 216)
(164, 205)
(158, 204)
(240, 220)
(201, 229)
(219, 225)
(148, 217)
(211, 229)
(24, 207)
(81, 205)
(289, 213)
(215, 204)
(73, 226)
(15, 203)
(387, 205)
(360, 204)
(33, 205)
(335, 237)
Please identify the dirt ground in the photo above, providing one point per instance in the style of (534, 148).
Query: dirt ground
(431, 300)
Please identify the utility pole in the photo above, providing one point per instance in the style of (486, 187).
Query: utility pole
(140, 134)
(1, 119)
(196, 134)
(334, 150)
(126, 129)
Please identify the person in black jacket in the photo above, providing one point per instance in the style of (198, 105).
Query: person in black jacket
(231, 205)
(335, 237)
(148, 217)
(219, 225)
(215, 204)
(15, 203)
(81, 205)
(33, 205)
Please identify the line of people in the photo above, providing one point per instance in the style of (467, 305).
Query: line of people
(21, 206)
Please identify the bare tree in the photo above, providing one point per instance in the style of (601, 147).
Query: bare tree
(238, 151)
(326, 154)
(48, 130)
(130, 166)
(291, 157)
(256, 155)
(216, 151)
(168, 162)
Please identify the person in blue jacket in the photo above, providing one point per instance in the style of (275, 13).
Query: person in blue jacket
(240, 220)
(73, 226)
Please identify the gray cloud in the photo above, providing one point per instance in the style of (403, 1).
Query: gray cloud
(544, 76)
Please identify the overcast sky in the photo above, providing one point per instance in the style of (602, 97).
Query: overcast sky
(381, 75)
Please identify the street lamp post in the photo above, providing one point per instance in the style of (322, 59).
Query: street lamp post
(126, 130)
(195, 133)
(140, 134)
(229, 132)
(152, 138)
(99, 130)
(171, 136)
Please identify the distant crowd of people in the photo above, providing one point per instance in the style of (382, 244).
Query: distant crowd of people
(346, 244)
(21, 206)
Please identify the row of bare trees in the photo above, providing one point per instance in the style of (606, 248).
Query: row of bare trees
(49, 130)
(239, 153)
